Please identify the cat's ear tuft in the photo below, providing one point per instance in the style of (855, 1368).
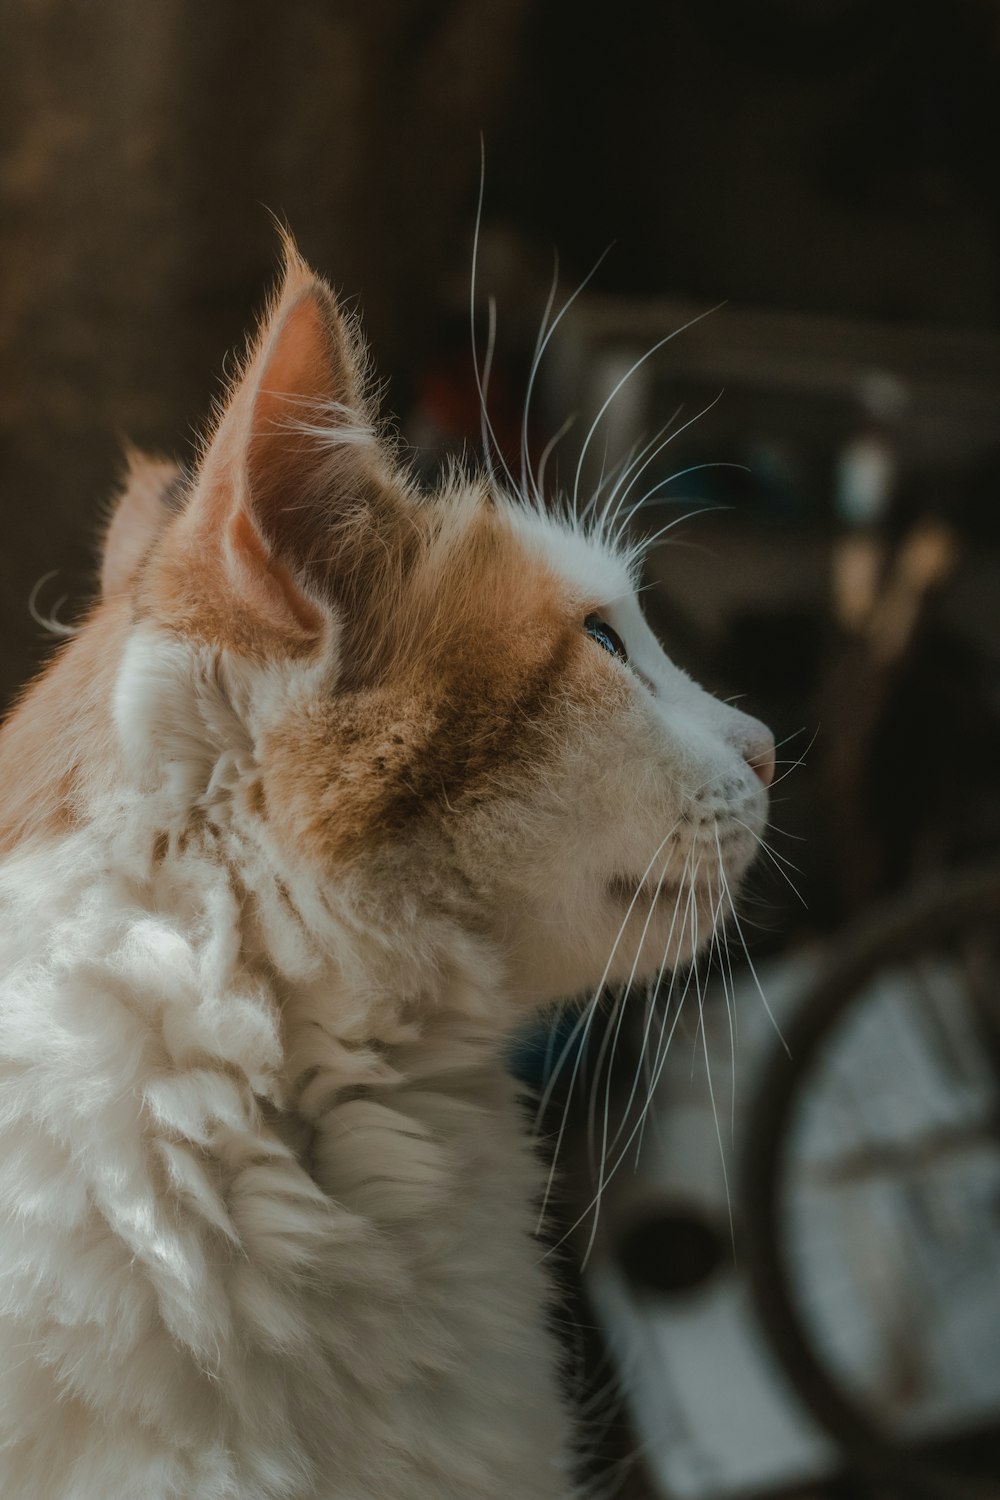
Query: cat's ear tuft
(296, 406)
(137, 517)
(308, 415)
(295, 443)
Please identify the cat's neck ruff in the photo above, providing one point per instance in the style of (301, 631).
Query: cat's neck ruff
(269, 1224)
(150, 901)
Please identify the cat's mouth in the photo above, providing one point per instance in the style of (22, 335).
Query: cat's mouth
(632, 890)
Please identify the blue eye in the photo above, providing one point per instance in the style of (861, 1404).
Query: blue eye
(605, 635)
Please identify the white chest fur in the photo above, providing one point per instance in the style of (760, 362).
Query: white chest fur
(205, 1298)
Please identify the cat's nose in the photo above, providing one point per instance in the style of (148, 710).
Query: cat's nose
(760, 759)
(755, 743)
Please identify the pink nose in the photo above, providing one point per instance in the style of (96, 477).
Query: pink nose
(758, 753)
(754, 741)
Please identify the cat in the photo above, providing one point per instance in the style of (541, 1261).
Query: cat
(334, 788)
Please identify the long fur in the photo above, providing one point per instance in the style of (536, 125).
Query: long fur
(331, 792)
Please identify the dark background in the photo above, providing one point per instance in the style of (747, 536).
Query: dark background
(816, 155)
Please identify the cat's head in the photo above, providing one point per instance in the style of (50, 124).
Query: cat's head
(446, 705)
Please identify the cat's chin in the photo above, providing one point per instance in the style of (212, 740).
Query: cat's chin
(631, 891)
(661, 927)
(719, 865)
(636, 898)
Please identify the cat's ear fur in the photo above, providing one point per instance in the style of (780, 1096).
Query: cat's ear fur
(136, 518)
(293, 442)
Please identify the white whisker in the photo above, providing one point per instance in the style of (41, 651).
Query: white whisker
(618, 385)
(644, 544)
(557, 437)
(728, 990)
(609, 1069)
(594, 1204)
(753, 971)
(634, 464)
(527, 477)
(652, 493)
(663, 1045)
(580, 1033)
(489, 438)
(49, 622)
(543, 343)
(711, 1086)
(655, 992)
(774, 858)
(628, 985)
(669, 437)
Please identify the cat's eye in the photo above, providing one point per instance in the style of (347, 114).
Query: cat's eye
(605, 635)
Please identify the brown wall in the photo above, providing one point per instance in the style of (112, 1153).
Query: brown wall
(822, 155)
(143, 146)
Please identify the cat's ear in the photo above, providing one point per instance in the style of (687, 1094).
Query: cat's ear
(136, 518)
(294, 439)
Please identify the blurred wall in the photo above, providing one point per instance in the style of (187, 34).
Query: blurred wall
(143, 146)
(821, 155)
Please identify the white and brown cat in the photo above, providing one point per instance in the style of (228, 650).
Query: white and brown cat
(337, 784)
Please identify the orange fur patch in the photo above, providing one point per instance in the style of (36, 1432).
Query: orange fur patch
(477, 652)
(61, 731)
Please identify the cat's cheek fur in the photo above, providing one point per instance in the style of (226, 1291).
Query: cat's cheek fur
(618, 855)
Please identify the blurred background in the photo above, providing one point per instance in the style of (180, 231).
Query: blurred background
(791, 1284)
